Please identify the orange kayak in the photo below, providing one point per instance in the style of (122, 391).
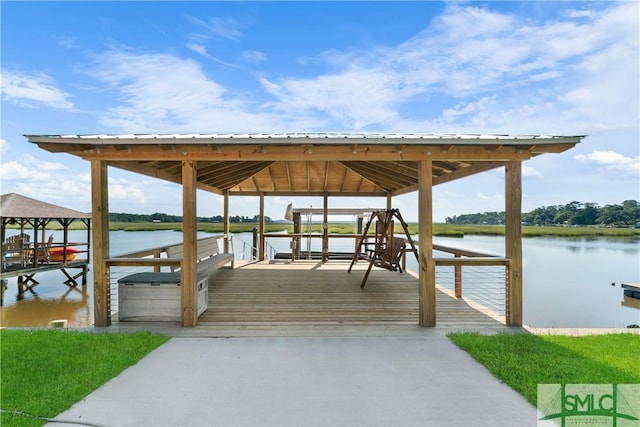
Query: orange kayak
(57, 254)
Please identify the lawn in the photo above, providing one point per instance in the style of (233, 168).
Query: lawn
(523, 360)
(45, 372)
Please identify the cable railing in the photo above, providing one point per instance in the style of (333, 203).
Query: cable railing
(249, 252)
(483, 278)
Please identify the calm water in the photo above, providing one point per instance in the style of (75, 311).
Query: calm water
(567, 282)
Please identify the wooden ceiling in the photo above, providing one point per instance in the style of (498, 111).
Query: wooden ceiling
(306, 164)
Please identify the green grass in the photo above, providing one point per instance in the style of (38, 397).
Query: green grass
(448, 230)
(45, 372)
(523, 360)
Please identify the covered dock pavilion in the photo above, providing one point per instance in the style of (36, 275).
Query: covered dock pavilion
(308, 164)
(28, 247)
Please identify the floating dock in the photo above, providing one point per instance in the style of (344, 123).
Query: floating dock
(631, 296)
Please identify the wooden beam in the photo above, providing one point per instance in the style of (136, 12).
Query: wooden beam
(189, 272)
(226, 222)
(382, 176)
(261, 240)
(427, 273)
(148, 170)
(472, 169)
(513, 241)
(325, 228)
(315, 153)
(100, 219)
(326, 176)
(286, 165)
(313, 193)
(235, 171)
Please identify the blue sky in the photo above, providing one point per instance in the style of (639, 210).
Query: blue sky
(565, 68)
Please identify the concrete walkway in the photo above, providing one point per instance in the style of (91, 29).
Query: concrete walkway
(296, 381)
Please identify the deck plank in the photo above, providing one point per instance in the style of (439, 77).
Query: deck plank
(308, 292)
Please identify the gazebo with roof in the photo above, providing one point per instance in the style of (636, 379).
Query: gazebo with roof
(25, 213)
(307, 164)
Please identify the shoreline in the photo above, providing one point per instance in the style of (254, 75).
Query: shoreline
(439, 230)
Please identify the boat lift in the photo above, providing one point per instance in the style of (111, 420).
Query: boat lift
(296, 215)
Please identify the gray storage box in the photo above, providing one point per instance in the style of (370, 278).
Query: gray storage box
(156, 296)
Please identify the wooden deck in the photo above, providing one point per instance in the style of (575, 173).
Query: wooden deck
(29, 271)
(313, 293)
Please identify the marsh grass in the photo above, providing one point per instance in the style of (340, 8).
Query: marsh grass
(45, 372)
(523, 360)
(443, 230)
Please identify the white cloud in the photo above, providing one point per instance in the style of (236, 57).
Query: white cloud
(4, 145)
(129, 191)
(612, 160)
(216, 27)
(183, 100)
(197, 48)
(33, 90)
(63, 188)
(253, 56)
(531, 172)
(29, 169)
(493, 198)
(14, 170)
(355, 98)
(500, 72)
(209, 31)
(42, 165)
(68, 42)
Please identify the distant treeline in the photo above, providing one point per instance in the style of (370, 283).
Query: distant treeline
(575, 213)
(162, 217)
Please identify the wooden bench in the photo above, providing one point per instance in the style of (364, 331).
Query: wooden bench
(208, 255)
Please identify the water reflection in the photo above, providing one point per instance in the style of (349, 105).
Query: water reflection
(567, 282)
(35, 310)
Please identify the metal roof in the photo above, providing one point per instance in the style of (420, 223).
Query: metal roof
(300, 163)
(304, 137)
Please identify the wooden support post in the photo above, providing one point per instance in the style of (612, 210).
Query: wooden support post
(297, 229)
(226, 222)
(389, 201)
(100, 219)
(513, 241)
(156, 254)
(188, 270)
(427, 273)
(457, 278)
(261, 246)
(325, 229)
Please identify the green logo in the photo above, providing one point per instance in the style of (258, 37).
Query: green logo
(605, 405)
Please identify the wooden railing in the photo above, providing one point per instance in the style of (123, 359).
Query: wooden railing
(141, 258)
(128, 263)
(489, 287)
(462, 259)
(487, 284)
